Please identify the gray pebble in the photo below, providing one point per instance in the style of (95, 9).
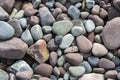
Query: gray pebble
(47, 29)
(27, 37)
(50, 3)
(36, 3)
(78, 5)
(98, 29)
(23, 22)
(76, 31)
(58, 39)
(90, 3)
(53, 77)
(66, 76)
(56, 71)
(84, 14)
(36, 32)
(61, 61)
(93, 60)
(6, 31)
(3, 75)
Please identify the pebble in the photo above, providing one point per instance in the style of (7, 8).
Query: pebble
(74, 58)
(97, 20)
(78, 5)
(62, 27)
(62, 70)
(30, 12)
(76, 31)
(112, 27)
(116, 60)
(61, 61)
(36, 32)
(50, 3)
(44, 78)
(53, 77)
(103, 13)
(19, 14)
(23, 23)
(27, 37)
(99, 70)
(62, 17)
(34, 20)
(47, 37)
(62, 7)
(106, 64)
(98, 39)
(6, 31)
(66, 41)
(74, 12)
(36, 3)
(84, 45)
(39, 51)
(44, 69)
(90, 4)
(99, 50)
(52, 46)
(46, 17)
(19, 66)
(15, 49)
(96, 10)
(93, 60)
(62, 1)
(92, 76)
(87, 66)
(116, 4)
(56, 12)
(17, 27)
(98, 29)
(91, 37)
(14, 11)
(53, 58)
(56, 71)
(66, 76)
(3, 75)
(59, 52)
(3, 14)
(111, 74)
(58, 39)
(84, 14)
(77, 70)
(89, 25)
(71, 49)
(12, 76)
(47, 29)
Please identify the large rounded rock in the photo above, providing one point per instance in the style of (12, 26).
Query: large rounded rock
(13, 49)
(111, 34)
(6, 31)
(62, 27)
(84, 44)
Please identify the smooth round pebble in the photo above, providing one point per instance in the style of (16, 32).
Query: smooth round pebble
(61, 61)
(76, 31)
(23, 22)
(89, 25)
(58, 39)
(84, 14)
(93, 60)
(47, 29)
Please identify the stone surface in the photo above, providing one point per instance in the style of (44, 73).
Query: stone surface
(3, 75)
(62, 27)
(103, 13)
(19, 66)
(90, 3)
(19, 14)
(96, 9)
(44, 78)
(46, 17)
(27, 37)
(89, 25)
(53, 58)
(30, 11)
(23, 23)
(34, 20)
(92, 76)
(36, 32)
(112, 27)
(47, 29)
(56, 71)
(116, 3)
(39, 51)
(77, 70)
(84, 44)
(14, 48)
(17, 27)
(61, 61)
(76, 30)
(6, 31)
(84, 14)
(62, 7)
(71, 49)
(74, 58)
(111, 74)
(106, 64)
(3, 14)
(66, 41)
(47, 37)
(74, 12)
(99, 50)
(52, 46)
(44, 69)
(99, 70)
(93, 60)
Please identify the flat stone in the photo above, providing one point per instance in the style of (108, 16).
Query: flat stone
(106, 64)
(84, 44)
(99, 50)
(39, 51)
(74, 58)
(15, 48)
(99, 70)
(36, 32)
(3, 14)
(3, 75)
(66, 41)
(62, 27)
(77, 70)
(89, 25)
(46, 17)
(6, 31)
(19, 66)
(17, 27)
(112, 27)
(92, 76)
(44, 69)
(74, 12)
(27, 37)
